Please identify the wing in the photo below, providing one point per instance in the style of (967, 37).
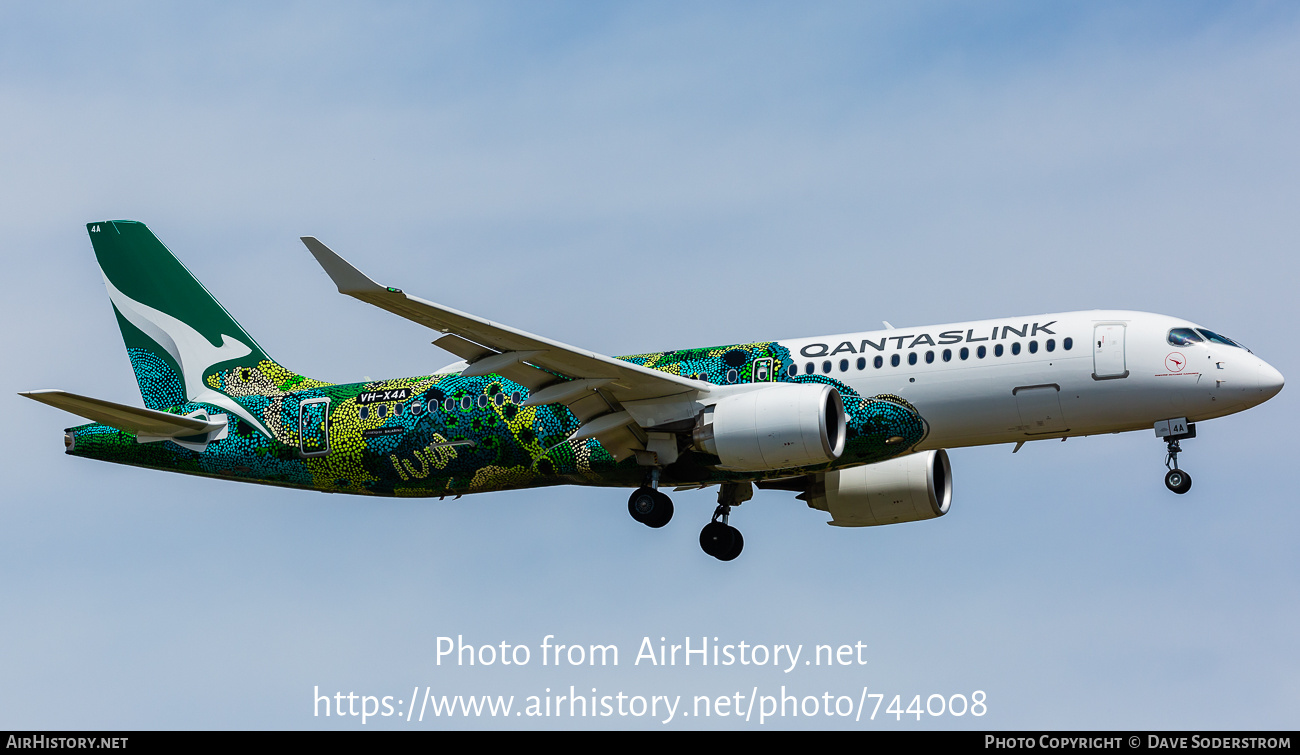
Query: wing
(593, 386)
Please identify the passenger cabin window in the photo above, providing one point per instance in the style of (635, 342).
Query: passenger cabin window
(894, 360)
(981, 352)
(1015, 348)
(947, 355)
(1068, 343)
(1183, 337)
(1051, 344)
(880, 362)
(965, 353)
(997, 350)
(1033, 347)
(862, 363)
(911, 358)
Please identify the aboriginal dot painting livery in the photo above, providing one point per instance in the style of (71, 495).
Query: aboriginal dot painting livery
(855, 425)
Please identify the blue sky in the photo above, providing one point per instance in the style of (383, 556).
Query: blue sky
(633, 177)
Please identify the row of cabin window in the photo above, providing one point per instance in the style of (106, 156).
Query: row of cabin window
(418, 407)
(912, 358)
(729, 377)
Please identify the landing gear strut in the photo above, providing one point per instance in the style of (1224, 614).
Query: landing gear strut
(648, 506)
(1176, 479)
(718, 538)
(1174, 430)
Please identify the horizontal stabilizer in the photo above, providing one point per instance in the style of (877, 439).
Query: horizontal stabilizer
(135, 420)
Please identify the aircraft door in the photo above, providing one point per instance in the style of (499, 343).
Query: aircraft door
(1108, 352)
(313, 427)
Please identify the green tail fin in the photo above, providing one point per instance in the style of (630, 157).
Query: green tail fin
(182, 343)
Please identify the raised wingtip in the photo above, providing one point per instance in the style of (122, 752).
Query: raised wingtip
(348, 279)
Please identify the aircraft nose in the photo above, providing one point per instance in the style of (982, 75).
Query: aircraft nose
(1269, 380)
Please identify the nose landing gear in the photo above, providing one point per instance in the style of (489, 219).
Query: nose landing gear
(1176, 479)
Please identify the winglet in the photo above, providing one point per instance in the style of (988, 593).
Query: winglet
(349, 279)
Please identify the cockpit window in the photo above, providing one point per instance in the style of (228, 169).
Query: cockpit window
(1183, 337)
(1213, 337)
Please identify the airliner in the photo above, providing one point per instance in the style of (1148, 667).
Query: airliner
(856, 425)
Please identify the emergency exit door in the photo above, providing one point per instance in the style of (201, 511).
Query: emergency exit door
(313, 427)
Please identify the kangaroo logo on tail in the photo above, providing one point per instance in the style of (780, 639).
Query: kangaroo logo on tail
(176, 333)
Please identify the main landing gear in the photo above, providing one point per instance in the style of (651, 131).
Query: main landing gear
(648, 506)
(718, 538)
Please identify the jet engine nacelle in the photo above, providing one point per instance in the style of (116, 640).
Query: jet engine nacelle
(907, 489)
(774, 427)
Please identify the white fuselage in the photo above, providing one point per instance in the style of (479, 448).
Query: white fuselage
(1054, 375)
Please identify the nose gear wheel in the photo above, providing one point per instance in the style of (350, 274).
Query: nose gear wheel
(1176, 479)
